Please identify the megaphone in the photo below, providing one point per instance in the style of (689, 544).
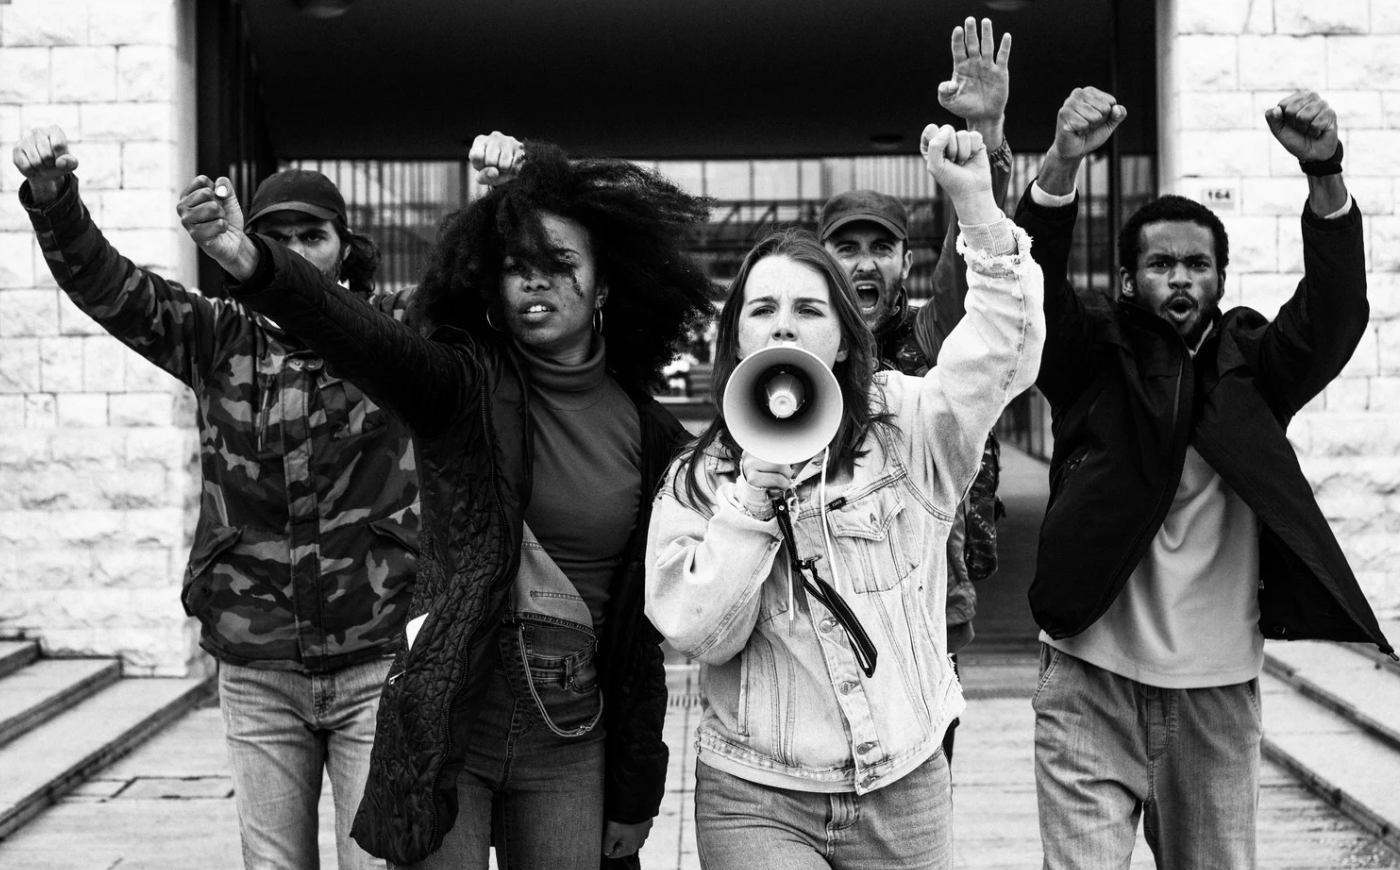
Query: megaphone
(782, 404)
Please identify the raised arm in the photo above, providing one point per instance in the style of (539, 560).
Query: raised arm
(418, 378)
(180, 331)
(977, 92)
(1047, 212)
(981, 82)
(993, 354)
(1316, 331)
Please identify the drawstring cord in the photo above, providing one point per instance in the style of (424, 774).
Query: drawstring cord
(819, 589)
(826, 539)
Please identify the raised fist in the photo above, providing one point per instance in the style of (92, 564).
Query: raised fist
(957, 160)
(496, 158)
(1305, 124)
(209, 211)
(1086, 120)
(43, 158)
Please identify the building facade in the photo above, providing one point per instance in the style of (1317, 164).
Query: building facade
(98, 480)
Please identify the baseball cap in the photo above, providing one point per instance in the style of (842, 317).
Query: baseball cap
(303, 190)
(864, 205)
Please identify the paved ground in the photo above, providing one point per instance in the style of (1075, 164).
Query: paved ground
(169, 806)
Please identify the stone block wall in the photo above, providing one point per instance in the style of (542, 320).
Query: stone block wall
(97, 479)
(1222, 63)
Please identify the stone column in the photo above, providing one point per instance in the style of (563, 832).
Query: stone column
(1222, 63)
(97, 480)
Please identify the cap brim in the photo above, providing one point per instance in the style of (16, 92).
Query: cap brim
(897, 231)
(315, 211)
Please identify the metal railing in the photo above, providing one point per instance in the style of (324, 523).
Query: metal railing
(399, 205)
(232, 128)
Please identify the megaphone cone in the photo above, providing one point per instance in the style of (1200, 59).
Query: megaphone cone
(782, 404)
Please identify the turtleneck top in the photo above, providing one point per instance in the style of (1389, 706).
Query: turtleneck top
(587, 478)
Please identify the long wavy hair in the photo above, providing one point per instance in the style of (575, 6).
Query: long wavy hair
(636, 222)
(360, 262)
(859, 416)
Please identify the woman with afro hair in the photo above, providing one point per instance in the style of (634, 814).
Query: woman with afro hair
(525, 706)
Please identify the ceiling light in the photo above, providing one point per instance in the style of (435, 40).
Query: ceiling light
(323, 8)
(1007, 5)
(887, 141)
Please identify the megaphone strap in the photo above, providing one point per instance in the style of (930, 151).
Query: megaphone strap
(820, 590)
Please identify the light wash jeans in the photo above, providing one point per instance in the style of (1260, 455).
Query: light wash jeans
(541, 793)
(906, 825)
(1109, 750)
(283, 728)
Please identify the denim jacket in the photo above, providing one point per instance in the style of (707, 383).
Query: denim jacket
(785, 703)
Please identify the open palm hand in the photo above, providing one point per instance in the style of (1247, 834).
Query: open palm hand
(981, 81)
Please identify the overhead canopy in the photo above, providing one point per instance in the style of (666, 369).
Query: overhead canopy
(665, 78)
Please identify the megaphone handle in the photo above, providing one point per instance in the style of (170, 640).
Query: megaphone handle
(861, 644)
(784, 517)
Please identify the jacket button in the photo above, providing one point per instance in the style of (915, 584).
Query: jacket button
(865, 747)
(828, 624)
(848, 687)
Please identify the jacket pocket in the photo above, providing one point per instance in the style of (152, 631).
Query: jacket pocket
(349, 412)
(867, 535)
(212, 540)
(1050, 659)
(398, 533)
(553, 665)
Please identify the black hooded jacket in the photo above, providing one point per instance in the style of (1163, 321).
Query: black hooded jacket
(1127, 398)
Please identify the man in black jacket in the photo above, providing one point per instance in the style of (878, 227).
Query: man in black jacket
(1180, 530)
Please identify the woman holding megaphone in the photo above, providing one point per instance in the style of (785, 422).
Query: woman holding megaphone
(798, 548)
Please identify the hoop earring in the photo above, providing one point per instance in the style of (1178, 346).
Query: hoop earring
(489, 323)
(598, 320)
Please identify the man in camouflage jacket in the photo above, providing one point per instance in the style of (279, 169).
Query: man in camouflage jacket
(868, 232)
(304, 553)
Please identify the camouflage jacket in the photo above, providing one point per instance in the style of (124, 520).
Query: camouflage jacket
(306, 545)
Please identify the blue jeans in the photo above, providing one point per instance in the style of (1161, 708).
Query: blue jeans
(541, 792)
(1109, 750)
(283, 728)
(905, 825)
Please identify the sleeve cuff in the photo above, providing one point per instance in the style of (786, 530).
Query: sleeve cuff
(999, 259)
(64, 203)
(262, 275)
(1341, 212)
(994, 239)
(1051, 200)
(1000, 157)
(748, 500)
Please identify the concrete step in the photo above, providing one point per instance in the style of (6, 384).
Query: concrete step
(43, 764)
(1346, 680)
(1331, 715)
(33, 695)
(15, 654)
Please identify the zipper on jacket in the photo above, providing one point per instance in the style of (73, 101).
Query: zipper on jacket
(500, 509)
(262, 388)
(1167, 494)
